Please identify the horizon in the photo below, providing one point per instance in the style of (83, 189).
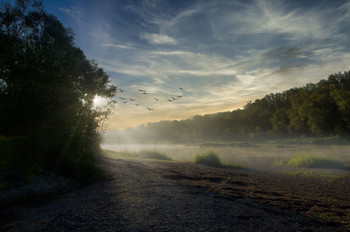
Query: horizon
(221, 54)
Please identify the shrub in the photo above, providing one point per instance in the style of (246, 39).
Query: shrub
(82, 169)
(153, 155)
(209, 158)
(311, 161)
(14, 156)
(140, 154)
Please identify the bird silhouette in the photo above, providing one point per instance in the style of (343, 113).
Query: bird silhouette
(144, 93)
(132, 99)
(181, 88)
(179, 96)
(169, 100)
(173, 98)
(156, 99)
(150, 109)
(123, 98)
(121, 90)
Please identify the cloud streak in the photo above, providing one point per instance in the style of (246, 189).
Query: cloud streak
(117, 46)
(158, 38)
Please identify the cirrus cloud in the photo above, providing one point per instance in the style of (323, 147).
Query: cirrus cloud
(158, 38)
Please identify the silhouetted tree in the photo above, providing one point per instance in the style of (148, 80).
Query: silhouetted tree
(47, 86)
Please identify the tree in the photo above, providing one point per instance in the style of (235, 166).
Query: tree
(340, 91)
(47, 86)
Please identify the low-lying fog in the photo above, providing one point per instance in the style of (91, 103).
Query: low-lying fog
(256, 157)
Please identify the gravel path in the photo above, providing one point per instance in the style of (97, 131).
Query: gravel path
(144, 195)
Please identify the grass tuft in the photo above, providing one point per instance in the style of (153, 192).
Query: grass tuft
(141, 154)
(209, 158)
(153, 155)
(312, 161)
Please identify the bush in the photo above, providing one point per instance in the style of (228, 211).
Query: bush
(140, 154)
(209, 158)
(14, 156)
(153, 155)
(82, 169)
(311, 161)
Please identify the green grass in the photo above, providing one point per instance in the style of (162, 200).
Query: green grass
(209, 158)
(141, 154)
(312, 161)
(153, 155)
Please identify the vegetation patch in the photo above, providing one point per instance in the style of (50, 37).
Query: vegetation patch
(141, 154)
(153, 155)
(312, 161)
(209, 158)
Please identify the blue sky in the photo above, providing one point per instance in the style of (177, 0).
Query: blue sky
(223, 53)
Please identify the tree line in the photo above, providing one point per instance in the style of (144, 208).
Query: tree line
(321, 109)
(47, 87)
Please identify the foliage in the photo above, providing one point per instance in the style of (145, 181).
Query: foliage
(311, 161)
(314, 110)
(209, 158)
(153, 155)
(141, 154)
(47, 87)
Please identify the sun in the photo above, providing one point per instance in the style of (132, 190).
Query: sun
(99, 101)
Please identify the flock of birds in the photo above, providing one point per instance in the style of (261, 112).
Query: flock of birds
(128, 100)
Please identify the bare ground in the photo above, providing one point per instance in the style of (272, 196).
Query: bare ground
(148, 195)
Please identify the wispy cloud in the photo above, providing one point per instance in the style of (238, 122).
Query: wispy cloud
(113, 45)
(65, 10)
(158, 38)
(224, 53)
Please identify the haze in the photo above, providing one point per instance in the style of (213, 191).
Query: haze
(222, 53)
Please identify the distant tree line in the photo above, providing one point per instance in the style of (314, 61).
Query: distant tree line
(321, 109)
(47, 87)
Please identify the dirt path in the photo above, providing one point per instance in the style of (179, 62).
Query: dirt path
(144, 195)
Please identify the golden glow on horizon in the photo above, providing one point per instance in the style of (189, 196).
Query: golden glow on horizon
(121, 119)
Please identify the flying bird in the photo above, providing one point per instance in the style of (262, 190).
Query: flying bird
(121, 90)
(180, 96)
(181, 88)
(169, 100)
(123, 98)
(144, 93)
(173, 98)
(132, 99)
(150, 109)
(156, 99)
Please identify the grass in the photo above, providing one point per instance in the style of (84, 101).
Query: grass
(141, 154)
(153, 155)
(24, 164)
(327, 176)
(312, 161)
(209, 158)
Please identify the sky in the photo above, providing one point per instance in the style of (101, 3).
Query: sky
(173, 59)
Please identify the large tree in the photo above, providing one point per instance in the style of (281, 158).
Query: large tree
(47, 85)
